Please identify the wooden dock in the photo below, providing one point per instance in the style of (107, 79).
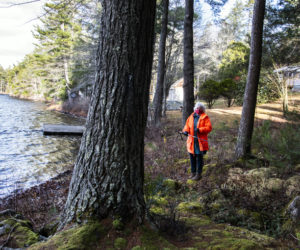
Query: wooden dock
(55, 129)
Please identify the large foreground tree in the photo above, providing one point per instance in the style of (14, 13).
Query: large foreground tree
(109, 172)
(243, 147)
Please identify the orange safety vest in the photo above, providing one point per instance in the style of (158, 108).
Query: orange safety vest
(204, 127)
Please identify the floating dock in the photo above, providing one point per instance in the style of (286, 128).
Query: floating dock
(59, 129)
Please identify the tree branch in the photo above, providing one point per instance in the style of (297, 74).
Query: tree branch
(16, 4)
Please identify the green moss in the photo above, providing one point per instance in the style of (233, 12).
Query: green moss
(157, 210)
(202, 245)
(161, 201)
(228, 237)
(22, 234)
(194, 207)
(275, 184)
(82, 237)
(151, 240)
(182, 161)
(120, 243)
(171, 184)
(197, 221)
(242, 212)
(117, 224)
(216, 205)
(137, 248)
(191, 183)
(234, 244)
(216, 194)
(228, 166)
(287, 227)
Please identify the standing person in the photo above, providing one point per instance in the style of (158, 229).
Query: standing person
(197, 127)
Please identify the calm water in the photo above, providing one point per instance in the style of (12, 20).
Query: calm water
(27, 157)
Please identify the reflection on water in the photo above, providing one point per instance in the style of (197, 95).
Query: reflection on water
(27, 157)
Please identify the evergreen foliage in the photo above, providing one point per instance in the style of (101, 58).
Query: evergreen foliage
(235, 60)
(282, 32)
(228, 90)
(210, 91)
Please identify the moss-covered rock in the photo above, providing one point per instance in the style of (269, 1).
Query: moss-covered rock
(80, 237)
(293, 186)
(190, 207)
(160, 201)
(120, 243)
(274, 184)
(261, 173)
(20, 231)
(297, 168)
(228, 237)
(157, 210)
(171, 184)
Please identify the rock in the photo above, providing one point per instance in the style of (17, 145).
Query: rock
(293, 186)
(294, 209)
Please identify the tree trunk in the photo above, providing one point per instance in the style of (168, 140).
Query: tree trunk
(243, 147)
(285, 101)
(188, 65)
(158, 97)
(108, 175)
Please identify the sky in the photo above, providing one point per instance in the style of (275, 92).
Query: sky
(16, 39)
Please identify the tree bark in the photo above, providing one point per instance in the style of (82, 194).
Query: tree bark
(159, 90)
(188, 65)
(108, 175)
(243, 147)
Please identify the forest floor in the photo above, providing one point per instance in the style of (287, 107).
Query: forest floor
(217, 212)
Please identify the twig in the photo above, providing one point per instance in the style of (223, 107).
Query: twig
(295, 237)
(8, 237)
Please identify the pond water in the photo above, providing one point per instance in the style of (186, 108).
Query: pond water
(27, 157)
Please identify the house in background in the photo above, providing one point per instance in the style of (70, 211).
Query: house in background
(175, 98)
(292, 76)
(176, 91)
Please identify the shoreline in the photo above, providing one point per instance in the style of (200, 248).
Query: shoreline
(35, 202)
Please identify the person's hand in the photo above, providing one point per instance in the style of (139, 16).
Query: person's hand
(185, 133)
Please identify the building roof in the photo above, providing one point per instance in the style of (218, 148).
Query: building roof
(178, 83)
(295, 69)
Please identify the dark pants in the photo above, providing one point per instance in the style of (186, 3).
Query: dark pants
(197, 162)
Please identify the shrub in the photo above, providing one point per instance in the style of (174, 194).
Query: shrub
(228, 89)
(210, 92)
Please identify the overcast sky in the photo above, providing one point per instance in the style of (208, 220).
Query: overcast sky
(16, 38)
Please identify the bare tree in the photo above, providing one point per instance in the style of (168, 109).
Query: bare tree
(109, 172)
(243, 146)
